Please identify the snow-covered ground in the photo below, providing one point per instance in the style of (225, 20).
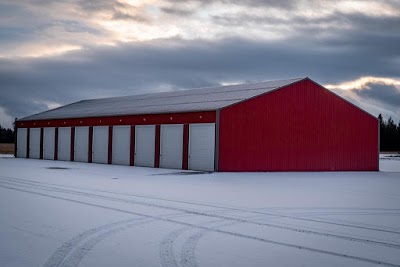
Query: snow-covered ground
(69, 214)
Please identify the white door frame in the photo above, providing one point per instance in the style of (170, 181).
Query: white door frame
(206, 150)
(166, 161)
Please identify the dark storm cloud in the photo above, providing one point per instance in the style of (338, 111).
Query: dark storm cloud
(186, 8)
(386, 94)
(173, 64)
(99, 5)
(125, 16)
(246, 3)
(375, 98)
(179, 10)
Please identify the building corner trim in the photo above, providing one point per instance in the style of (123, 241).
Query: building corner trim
(216, 159)
(379, 141)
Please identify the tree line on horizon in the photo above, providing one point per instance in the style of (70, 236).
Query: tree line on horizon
(389, 135)
(6, 135)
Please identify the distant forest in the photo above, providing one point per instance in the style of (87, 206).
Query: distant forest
(6, 135)
(389, 135)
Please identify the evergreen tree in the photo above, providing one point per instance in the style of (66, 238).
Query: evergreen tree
(6, 135)
(389, 134)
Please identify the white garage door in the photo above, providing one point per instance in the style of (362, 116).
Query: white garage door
(121, 143)
(34, 143)
(64, 143)
(201, 146)
(48, 143)
(81, 144)
(144, 145)
(21, 142)
(171, 145)
(100, 144)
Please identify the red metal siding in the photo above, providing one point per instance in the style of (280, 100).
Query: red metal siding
(72, 147)
(132, 147)
(302, 127)
(185, 146)
(15, 141)
(157, 147)
(56, 143)
(28, 132)
(110, 136)
(41, 143)
(150, 119)
(90, 145)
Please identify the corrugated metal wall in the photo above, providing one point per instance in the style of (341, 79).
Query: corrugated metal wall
(302, 127)
(147, 119)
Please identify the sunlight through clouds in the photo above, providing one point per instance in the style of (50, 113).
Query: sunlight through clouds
(363, 82)
(38, 50)
(83, 24)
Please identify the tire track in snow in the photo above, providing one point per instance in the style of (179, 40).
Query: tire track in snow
(73, 251)
(229, 233)
(213, 215)
(166, 248)
(188, 252)
(57, 257)
(80, 252)
(292, 217)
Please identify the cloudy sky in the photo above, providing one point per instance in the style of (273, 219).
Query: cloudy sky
(57, 52)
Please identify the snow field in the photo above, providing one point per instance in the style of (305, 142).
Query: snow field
(75, 214)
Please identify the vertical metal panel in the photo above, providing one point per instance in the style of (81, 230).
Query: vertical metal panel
(34, 143)
(48, 142)
(72, 144)
(41, 143)
(90, 145)
(185, 150)
(132, 147)
(28, 143)
(145, 119)
(302, 127)
(100, 144)
(201, 146)
(121, 140)
(217, 126)
(157, 147)
(64, 143)
(144, 145)
(110, 144)
(21, 142)
(379, 142)
(15, 138)
(55, 144)
(171, 146)
(81, 142)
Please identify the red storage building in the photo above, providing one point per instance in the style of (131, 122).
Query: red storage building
(284, 125)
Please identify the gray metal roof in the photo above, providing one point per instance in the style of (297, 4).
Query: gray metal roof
(201, 99)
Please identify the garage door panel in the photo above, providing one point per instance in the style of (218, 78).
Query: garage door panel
(144, 145)
(48, 143)
(34, 143)
(64, 143)
(201, 146)
(21, 142)
(171, 146)
(100, 144)
(121, 144)
(81, 144)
